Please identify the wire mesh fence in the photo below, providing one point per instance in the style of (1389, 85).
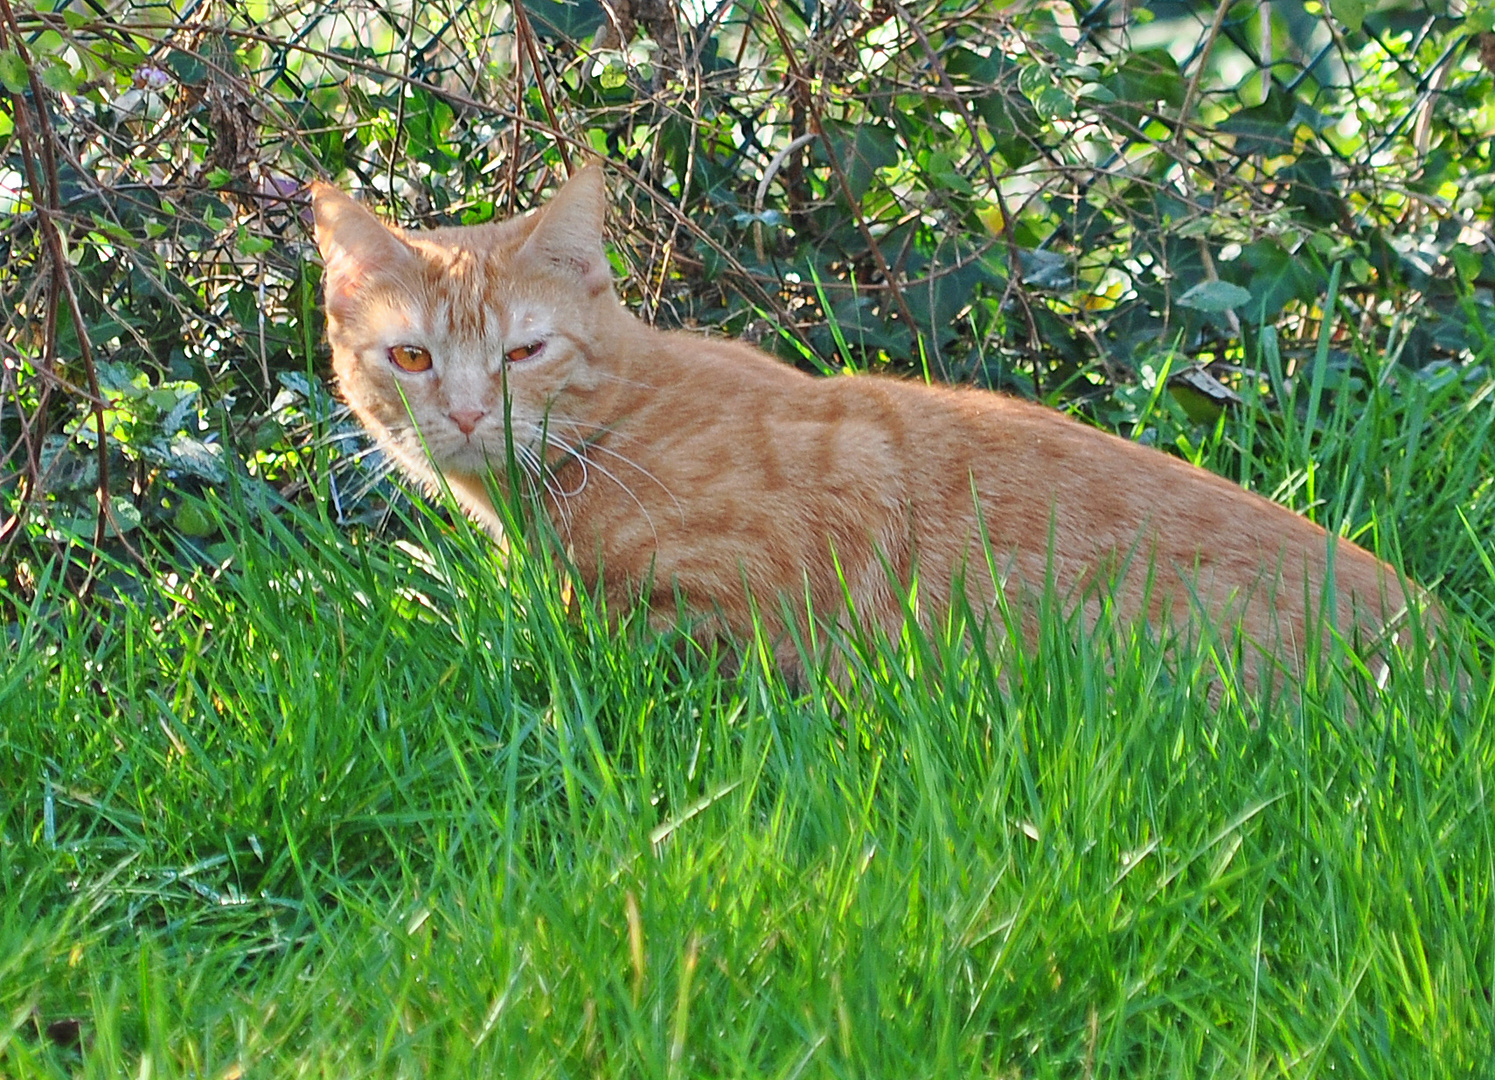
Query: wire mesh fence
(1059, 199)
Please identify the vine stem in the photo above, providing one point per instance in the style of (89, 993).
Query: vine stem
(1191, 91)
(527, 33)
(37, 146)
(1009, 236)
(813, 112)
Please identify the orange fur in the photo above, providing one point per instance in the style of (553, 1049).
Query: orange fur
(704, 466)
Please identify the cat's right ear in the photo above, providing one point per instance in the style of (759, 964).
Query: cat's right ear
(568, 235)
(356, 246)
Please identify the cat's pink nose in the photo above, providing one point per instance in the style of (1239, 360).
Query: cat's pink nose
(467, 419)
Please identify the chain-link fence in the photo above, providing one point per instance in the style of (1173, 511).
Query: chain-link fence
(1051, 198)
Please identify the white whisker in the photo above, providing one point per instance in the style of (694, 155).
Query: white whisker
(587, 446)
(579, 454)
(368, 451)
(620, 379)
(536, 469)
(362, 491)
(558, 495)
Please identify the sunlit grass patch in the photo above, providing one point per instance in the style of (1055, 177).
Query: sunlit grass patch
(348, 805)
(344, 804)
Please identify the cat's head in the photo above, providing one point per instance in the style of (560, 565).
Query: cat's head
(431, 329)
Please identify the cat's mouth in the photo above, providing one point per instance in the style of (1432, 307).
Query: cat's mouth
(476, 445)
(473, 453)
(479, 452)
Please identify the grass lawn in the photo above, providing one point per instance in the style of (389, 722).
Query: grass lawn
(348, 806)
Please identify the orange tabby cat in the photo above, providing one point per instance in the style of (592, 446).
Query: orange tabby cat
(713, 472)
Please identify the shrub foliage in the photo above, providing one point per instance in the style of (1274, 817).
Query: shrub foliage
(1075, 201)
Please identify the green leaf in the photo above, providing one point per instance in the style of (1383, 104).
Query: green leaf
(249, 244)
(1349, 12)
(1012, 121)
(161, 400)
(1202, 395)
(1141, 81)
(192, 519)
(1046, 269)
(189, 455)
(480, 211)
(1215, 296)
(1278, 277)
(862, 150)
(942, 289)
(1053, 103)
(111, 230)
(120, 378)
(571, 19)
(187, 67)
(1313, 186)
(58, 77)
(124, 516)
(975, 67)
(13, 74)
(1148, 77)
(1265, 128)
(1466, 262)
(427, 127)
(614, 75)
(1032, 78)
(943, 170)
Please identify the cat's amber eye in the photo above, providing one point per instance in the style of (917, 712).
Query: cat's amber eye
(410, 357)
(523, 352)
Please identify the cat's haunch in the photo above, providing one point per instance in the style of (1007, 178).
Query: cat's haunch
(712, 473)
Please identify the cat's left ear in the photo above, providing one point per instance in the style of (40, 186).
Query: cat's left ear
(568, 235)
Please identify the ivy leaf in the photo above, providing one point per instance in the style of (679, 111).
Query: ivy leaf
(249, 244)
(1313, 186)
(566, 19)
(1032, 79)
(1141, 81)
(862, 150)
(182, 408)
(1265, 128)
(189, 455)
(1045, 269)
(1278, 276)
(58, 77)
(1053, 103)
(191, 519)
(1215, 296)
(1349, 12)
(614, 75)
(124, 516)
(13, 75)
(187, 67)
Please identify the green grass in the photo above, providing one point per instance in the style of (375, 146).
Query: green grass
(350, 807)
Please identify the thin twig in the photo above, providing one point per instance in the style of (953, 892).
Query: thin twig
(817, 124)
(45, 196)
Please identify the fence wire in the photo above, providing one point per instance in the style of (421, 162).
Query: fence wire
(1043, 198)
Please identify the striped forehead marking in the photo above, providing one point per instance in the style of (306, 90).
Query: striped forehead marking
(461, 297)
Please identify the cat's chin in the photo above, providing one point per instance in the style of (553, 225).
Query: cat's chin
(473, 459)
